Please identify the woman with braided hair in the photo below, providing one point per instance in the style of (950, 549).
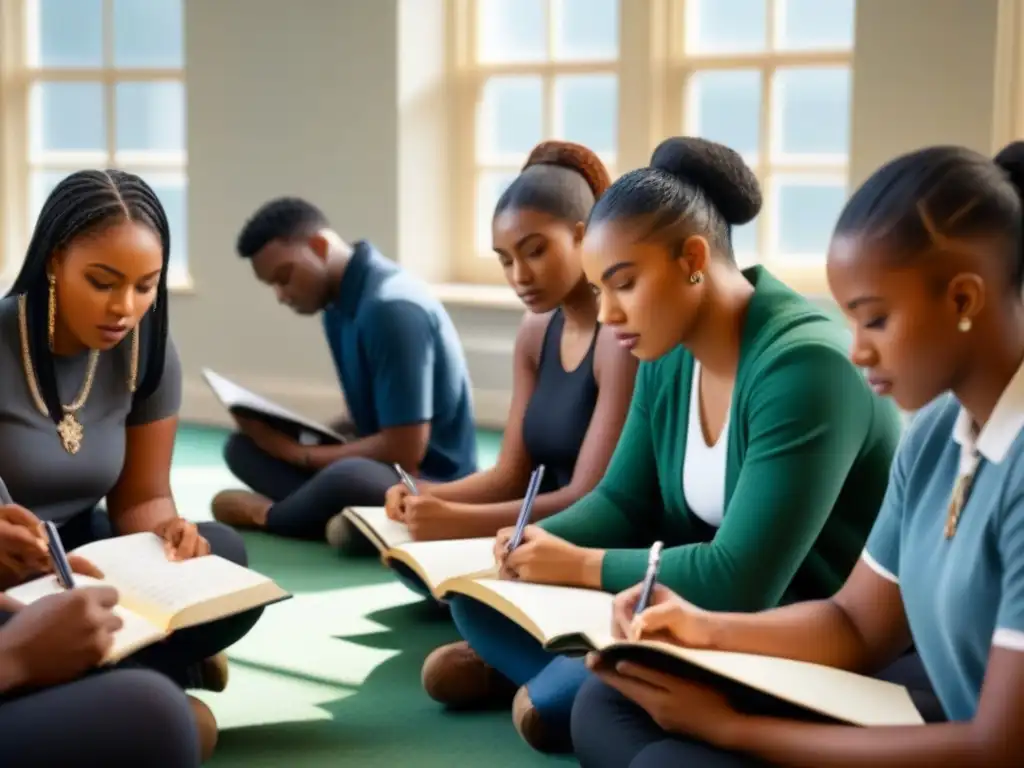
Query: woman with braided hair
(90, 386)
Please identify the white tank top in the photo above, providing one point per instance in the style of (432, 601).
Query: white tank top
(704, 465)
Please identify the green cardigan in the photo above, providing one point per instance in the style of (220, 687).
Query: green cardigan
(809, 449)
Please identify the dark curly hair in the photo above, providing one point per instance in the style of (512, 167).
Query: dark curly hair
(284, 218)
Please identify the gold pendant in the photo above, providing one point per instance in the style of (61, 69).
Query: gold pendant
(70, 431)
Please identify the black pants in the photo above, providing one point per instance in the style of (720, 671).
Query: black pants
(610, 731)
(179, 655)
(305, 501)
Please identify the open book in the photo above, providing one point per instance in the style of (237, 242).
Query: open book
(568, 620)
(158, 596)
(433, 562)
(241, 402)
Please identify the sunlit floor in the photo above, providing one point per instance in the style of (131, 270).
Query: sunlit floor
(331, 677)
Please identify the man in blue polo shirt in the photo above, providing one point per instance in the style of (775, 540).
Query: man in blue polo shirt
(400, 365)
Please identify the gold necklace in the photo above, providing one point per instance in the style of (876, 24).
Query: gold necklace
(70, 428)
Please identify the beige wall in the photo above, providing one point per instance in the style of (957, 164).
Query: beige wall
(343, 101)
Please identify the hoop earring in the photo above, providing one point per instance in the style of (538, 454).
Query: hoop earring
(964, 325)
(51, 310)
(696, 277)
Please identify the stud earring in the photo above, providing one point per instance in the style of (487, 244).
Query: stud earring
(696, 277)
(964, 325)
(51, 309)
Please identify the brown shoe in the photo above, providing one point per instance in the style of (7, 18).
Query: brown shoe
(455, 676)
(241, 509)
(533, 729)
(206, 726)
(214, 673)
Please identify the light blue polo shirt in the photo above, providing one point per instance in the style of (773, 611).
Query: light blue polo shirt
(965, 594)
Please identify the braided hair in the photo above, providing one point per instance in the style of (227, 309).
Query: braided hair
(85, 203)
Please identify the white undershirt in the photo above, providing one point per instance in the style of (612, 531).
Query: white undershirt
(704, 465)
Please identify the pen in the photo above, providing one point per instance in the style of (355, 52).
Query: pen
(406, 480)
(61, 566)
(525, 510)
(653, 561)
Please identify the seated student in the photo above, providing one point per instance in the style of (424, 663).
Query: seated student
(571, 380)
(927, 260)
(90, 386)
(401, 366)
(753, 447)
(54, 712)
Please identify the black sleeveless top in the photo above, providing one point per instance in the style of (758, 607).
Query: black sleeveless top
(559, 412)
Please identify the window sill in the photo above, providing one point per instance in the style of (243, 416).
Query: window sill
(475, 295)
(180, 282)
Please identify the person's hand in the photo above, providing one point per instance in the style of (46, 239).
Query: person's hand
(182, 540)
(274, 443)
(24, 553)
(543, 558)
(430, 518)
(394, 502)
(676, 705)
(668, 617)
(58, 637)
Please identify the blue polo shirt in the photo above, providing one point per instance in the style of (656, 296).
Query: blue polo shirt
(963, 595)
(400, 361)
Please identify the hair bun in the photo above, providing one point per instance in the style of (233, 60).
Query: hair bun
(575, 157)
(717, 170)
(1011, 160)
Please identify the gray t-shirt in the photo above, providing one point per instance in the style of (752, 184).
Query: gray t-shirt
(35, 470)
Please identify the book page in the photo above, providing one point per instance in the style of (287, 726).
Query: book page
(232, 395)
(161, 588)
(557, 611)
(135, 632)
(390, 533)
(440, 560)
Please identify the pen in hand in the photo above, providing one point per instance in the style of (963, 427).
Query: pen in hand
(524, 511)
(653, 561)
(406, 480)
(61, 566)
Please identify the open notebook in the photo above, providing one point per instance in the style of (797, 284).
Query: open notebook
(567, 620)
(158, 596)
(241, 402)
(434, 562)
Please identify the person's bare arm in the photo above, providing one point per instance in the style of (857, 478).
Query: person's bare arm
(142, 500)
(405, 445)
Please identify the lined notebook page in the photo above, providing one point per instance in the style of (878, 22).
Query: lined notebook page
(442, 560)
(392, 534)
(138, 564)
(556, 610)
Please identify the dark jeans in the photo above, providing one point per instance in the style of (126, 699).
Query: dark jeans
(305, 501)
(179, 655)
(610, 731)
(112, 717)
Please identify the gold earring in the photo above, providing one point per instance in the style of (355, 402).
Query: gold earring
(133, 374)
(51, 310)
(964, 325)
(696, 277)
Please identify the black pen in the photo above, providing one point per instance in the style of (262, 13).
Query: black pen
(61, 566)
(653, 561)
(406, 480)
(524, 511)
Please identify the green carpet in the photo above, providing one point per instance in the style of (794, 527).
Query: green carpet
(331, 677)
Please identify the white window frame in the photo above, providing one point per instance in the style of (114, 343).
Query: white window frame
(654, 70)
(17, 166)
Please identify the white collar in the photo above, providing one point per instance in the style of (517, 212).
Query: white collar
(1002, 427)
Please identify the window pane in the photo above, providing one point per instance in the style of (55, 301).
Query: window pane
(807, 214)
(149, 34)
(812, 111)
(172, 189)
(808, 24)
(725, 106)
(67, 33)
(726, 26)
(151, 117)
(510, 119)
(744, 244)
(511, 30)
(490, 185)
(42, 184)
(67, 117)
(586, 29)
(587, 111)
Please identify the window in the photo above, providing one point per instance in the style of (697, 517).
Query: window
(769, 78)
(92, 84)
